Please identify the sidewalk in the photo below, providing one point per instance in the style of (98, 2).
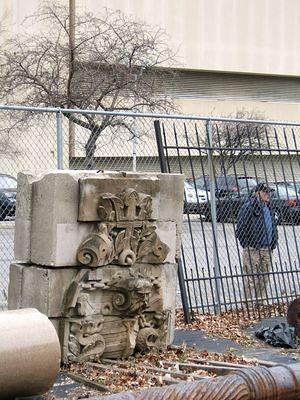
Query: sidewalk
(263, 351)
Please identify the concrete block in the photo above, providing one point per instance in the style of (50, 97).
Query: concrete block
(54, 202)
(53, 226)
(23, 216)
(38, 287)
(47, 228)
(15, 287)
(171, 197)
(171, 203)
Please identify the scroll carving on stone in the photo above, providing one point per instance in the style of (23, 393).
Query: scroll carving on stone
(97, 249)
(129, 205)
(129, 298)
(125, 235)
(85, 340)
(112, 311)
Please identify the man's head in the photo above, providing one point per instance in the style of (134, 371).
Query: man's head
(262, 192)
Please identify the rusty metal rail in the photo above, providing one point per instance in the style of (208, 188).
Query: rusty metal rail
(280, 382)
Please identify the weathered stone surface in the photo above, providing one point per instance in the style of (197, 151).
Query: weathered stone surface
(53, 283)
(110, 336)
(54, 203)
(52, 211)
(171, 203)
(87, 305)
(22, 244)
(128, 242)
(31, 203)
(167, 276)
(100, 259)
(166, 191)
(38, 287)
(91, 190)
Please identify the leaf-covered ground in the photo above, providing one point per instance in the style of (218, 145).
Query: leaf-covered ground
(118, 381)
(230, 325)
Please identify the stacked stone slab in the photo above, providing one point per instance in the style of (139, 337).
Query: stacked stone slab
(96, 253)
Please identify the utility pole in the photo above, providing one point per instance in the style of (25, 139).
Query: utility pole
(72, 7)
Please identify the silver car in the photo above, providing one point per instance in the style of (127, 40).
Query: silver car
(195, 201)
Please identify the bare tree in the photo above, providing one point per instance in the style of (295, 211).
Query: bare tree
(116, 64)
(231, 141)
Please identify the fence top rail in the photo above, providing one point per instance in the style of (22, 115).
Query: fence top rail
(13, 107)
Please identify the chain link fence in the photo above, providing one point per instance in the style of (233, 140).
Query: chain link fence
(223, 161)
(28, 141)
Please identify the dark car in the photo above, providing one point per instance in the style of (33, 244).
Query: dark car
(8, 191)
(228, 190)
(226, 184)
(284, 201)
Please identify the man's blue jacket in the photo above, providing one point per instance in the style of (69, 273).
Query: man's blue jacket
(251, 227)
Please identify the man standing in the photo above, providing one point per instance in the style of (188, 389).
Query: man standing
(257, 233)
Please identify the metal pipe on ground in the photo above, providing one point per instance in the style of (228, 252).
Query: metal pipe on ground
(281, 382)
(29, 353)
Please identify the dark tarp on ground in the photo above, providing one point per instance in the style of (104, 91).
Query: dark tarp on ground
(280, 335)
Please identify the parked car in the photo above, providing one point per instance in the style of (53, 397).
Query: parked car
(8, 191)
(295, 185)
(226, 184)
(194, 201)
(284, 201)
(228, 191)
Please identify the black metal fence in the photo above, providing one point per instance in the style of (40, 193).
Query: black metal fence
(231, 257)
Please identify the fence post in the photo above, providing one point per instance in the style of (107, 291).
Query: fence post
(134, 148)
(181, 281)
(160, 147)
(213, 210)
(59, 140)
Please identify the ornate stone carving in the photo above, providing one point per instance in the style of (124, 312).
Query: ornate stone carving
(97, 249)
(130, 295)
(125, 235)
(129, 205)
(111, 311)
(127, 302)
(85, 341)
(147, 338)
(122, 244)
(153, 329)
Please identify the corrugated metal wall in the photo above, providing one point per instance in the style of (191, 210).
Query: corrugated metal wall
(222, 86)
(266, 168)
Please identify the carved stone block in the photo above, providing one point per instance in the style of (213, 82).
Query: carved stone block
(99, 258)
(50, 211)
(124, 198)
(136, 305)
(101, 312)
(127, 243)
(97, 337)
